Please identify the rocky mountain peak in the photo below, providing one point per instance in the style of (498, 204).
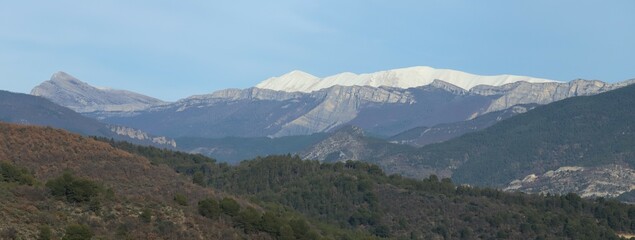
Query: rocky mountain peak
(447, 86)
(63, 77)
(79, 96)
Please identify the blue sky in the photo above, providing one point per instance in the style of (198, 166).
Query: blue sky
(173, 49)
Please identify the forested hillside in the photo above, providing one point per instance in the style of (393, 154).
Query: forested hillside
(360, 197)
(57, 185)
(580, 131)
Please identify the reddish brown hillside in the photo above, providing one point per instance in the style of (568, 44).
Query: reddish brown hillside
(48, 152)
(138, 187)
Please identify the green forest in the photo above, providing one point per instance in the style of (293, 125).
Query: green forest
(361, 199)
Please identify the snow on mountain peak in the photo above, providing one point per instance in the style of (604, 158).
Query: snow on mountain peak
(294, 81)
(298, 81)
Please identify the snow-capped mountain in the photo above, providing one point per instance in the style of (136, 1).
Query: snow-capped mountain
(298, 81)
(70, 92)
(294, 81)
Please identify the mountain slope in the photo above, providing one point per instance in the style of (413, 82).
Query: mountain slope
(297, 81)
(70, 92)
(583, 131)
(133, 184)
(32, 110)
(66, 181)
(421, 136)
(531, 152)
(351, 143)
(360, 197)
(27, 109)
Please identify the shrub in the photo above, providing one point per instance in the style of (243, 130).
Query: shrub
(199, 178)
(78, 232)
(9, 233)
(248, 220)
(45, 233)
(11, 173)
(146, 215)
(209, 208)
(74, 189)
(180, 199)
(229, 206)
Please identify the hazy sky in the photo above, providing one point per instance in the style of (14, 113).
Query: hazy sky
(173, 49)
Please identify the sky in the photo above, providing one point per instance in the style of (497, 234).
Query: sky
(174, 49)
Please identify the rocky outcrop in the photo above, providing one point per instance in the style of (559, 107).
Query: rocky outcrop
(72, 93)
(142, 136)
(602, 181)
(541, 93)
(344, 144)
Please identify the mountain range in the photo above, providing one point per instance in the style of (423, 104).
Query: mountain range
(581, 144)
(370, 118)
(298, 81)
(383, 111)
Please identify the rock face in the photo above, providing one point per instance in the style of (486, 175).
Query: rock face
(339, 106)
(602, 181)
(542, 93)
(140, 135)
(70, 92)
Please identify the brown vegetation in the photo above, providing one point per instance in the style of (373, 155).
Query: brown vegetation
(133, 187)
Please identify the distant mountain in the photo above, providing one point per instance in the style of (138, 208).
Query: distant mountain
(298, 81)
(421, 136)
(380, 111)
(32, 110)
(70, 92)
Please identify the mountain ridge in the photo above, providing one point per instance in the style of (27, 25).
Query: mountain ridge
(297, 81)
(81, 97)
(382, 111)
